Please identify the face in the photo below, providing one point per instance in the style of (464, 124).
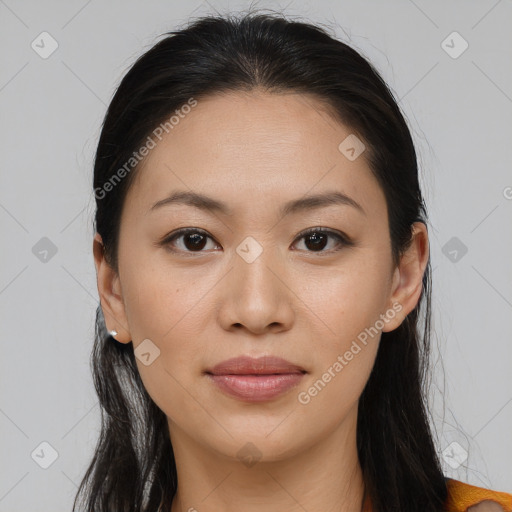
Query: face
(247, 279)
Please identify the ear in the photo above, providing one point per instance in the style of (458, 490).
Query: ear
(408, 277)
(109, 290)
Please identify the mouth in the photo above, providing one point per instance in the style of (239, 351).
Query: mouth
(246, 365)
(255, 379)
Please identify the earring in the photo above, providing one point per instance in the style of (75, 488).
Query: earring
(113, 333)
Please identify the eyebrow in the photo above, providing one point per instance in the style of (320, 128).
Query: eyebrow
(309, 202)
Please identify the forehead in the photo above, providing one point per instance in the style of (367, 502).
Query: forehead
(255, 147)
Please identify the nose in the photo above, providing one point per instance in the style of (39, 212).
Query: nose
(255, 296)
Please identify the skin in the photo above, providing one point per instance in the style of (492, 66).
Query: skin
(256, 151)
(486, 506)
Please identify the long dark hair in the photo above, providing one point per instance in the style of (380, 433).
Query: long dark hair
(133, 468)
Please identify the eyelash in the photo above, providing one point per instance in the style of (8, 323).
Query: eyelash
(342, 239)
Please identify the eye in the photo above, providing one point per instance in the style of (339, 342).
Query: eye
(316, 239)
(195, 240)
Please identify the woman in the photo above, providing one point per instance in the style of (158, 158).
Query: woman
(262, 259)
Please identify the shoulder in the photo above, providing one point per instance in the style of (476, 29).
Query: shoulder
(486, 506)
(463, 497)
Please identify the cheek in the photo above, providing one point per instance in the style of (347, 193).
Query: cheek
(348, 305)
(161, 300)
(164, 308)
(160, 304)
(351, 300)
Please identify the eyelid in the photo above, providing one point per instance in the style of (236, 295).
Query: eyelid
(328, 231)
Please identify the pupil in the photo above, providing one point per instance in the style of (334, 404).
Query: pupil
(316, 239)
(197, 243)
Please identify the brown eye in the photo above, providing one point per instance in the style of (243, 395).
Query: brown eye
(316, 239)
(193, 240)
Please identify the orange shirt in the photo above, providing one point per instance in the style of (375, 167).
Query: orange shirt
(461, 496)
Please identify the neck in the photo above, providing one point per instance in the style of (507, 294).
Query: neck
(325, 476)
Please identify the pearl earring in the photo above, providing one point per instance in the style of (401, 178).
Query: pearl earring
(113, 332)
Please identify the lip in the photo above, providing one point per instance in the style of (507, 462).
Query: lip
(246, 365)
(255, 379)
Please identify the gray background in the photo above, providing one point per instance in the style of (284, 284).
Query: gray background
(459, 110)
